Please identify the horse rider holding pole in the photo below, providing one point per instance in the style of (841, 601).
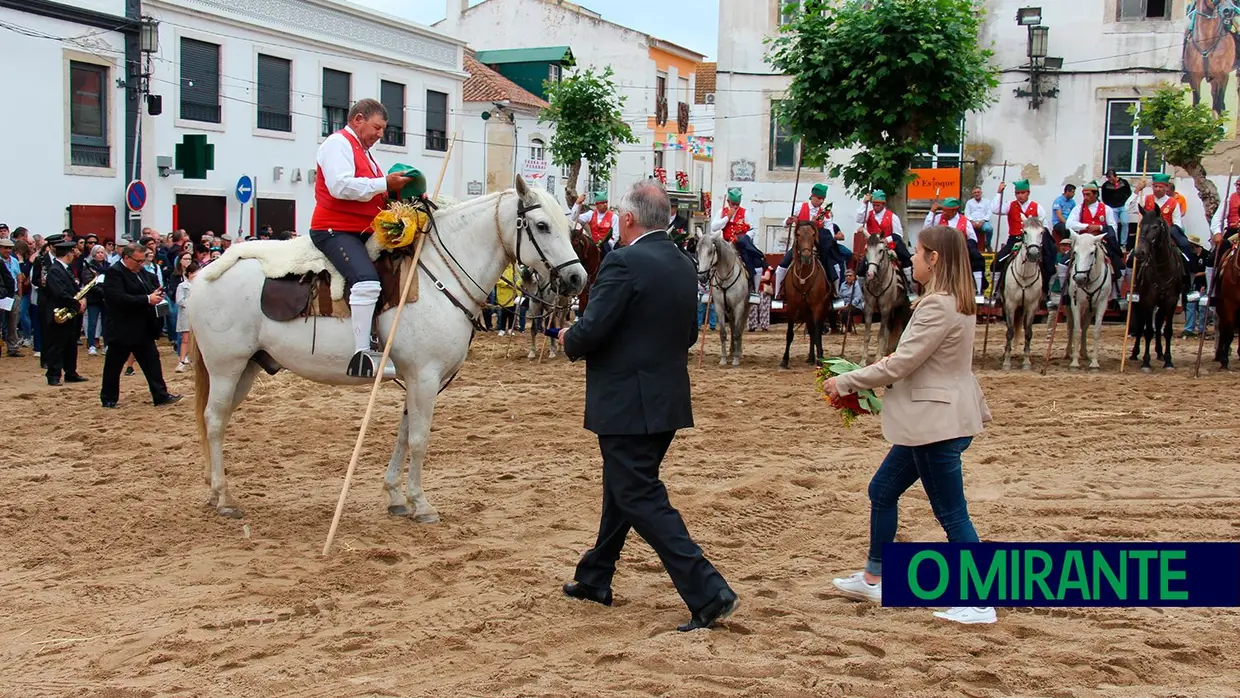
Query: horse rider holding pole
(1096, 218)
(1168, 206)
(815, 210)
(952, 218)
(603, 223)
(737, 231)
(1018, 210)
(349, 191)
(883, 222)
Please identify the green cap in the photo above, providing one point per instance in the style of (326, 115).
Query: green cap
(878, 195)
(1092, 184)
(951, 203)
(734, 195)
(1162, 178)
(1021, 185)
(416, 187)
(819, 190)
(600, 197)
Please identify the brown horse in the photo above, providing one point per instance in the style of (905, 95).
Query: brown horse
(1209, 52)
(591, 257)
(809, 292)
(1227, 304)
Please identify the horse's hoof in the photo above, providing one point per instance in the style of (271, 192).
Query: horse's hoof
(229, 512)
(1026, 367)
(783, 365)
(430, 518)
(398, 510)
(1095, 368)
(1146, 369)
(531, 356)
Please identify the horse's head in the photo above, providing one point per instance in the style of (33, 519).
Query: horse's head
(542, 241)
(1154, 234)
(1086, 252)
(877, 254)
(806, 242)
(708, 254)
(1031, 238)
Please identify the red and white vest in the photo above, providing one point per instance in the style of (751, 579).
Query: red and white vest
(1096, 217)
(600, 226)
(805, 213)
(882, 226)
(1167, 209)
(736, 226)
(340, 215)
(1016, 218)
(961, 223)
(1233, 211)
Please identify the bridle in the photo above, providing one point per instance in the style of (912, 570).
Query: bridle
(1025, 252)
(880, 269)
(1087, 273)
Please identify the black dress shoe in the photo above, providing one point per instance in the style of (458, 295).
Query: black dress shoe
(110, 405)
(722, 607)
(585, 592)
(75, 378)
(169, 400)
(53, 381)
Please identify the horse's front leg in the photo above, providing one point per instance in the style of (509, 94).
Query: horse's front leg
(397, 504)
(865, 347)
(533, 338)
(1027, 364)
(1168, 328)
(724, 322)
(739, 323)
(419, 409)
(1010, 334)
(1099, 313)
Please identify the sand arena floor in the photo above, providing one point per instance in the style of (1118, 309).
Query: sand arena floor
(116, 582)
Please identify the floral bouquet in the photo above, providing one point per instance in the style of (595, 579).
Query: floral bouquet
(398, 225)
(850, 406)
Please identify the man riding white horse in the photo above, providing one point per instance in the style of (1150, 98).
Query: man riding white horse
(883, 222)
(737, 231)
(602, 223)
(1096, 218)
(349, 191)
(1016, 213)
(953, 218)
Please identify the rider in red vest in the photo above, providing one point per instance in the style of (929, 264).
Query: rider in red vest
(833, 256)
(1014, 224)
(1096, 218)
(350, 189)
(1225, 229)
(602, 224)
(952, 218)
(736, 231)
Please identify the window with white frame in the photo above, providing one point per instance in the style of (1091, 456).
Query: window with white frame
(658, 159)
(200, 81)
(943, 155)
(788, 10)
(1137, 10)
(337, 88)
(436, 121)
(782, 145)
(1128, 146)
(538, 149)
(274, 94)
(392, 96)
(554, 72)
(88, 115)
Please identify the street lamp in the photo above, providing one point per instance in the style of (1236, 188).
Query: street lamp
(1039, 62)
(149, 36)
(1029, 16)
(1038, 38)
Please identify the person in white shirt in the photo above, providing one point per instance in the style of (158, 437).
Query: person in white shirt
(952, 218)
(1168, 206)
(1015, 213)
(977, 210)
(602, 224)
(1096, 218)
(350, 189)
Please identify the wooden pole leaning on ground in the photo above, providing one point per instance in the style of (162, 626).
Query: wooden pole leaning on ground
(1136, 242)
(988, 274)
(411, 277)
(1050, 335)
(1222, 224)
(710, 305)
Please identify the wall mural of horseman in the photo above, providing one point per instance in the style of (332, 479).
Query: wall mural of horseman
(1212, 49)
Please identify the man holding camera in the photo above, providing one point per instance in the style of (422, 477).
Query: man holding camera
(131, 325)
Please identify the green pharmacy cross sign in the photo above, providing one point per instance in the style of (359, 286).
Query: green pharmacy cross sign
(195, 157)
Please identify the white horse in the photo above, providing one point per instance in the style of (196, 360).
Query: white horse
(548, 308)
(719, 264)
(1022, 288)
(884, 292)
(473, 242)
(1090, 289)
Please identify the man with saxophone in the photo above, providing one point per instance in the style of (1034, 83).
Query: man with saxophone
(59, 297)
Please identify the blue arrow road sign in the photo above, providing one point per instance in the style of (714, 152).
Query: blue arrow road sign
(245, 189)
(135, 195)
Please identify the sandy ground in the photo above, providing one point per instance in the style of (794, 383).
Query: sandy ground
(116, 582)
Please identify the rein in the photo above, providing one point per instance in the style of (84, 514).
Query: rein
(1024, 260)
(885, 270)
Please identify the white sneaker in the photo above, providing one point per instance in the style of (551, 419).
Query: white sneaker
(969, 615)
(855, 587)
(501, 333)
(38, 354)
(92, 351)
(181, 366)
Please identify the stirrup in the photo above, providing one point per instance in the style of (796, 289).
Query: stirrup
(364, 363)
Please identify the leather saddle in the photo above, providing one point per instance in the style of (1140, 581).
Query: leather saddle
(309, 295)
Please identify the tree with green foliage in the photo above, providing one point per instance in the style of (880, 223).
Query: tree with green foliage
(588, 125)
(889, 78)
(1184, 133)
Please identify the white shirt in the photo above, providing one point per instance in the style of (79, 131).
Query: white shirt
(896, 227)
(1219, 223)
(999, 208)
(722, 221)
(1134, 206)
(969, 232)
(335, 158)
(588, 217)
(978, 211)
(1074, 219)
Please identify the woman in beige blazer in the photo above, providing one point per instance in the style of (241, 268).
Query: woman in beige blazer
(931, 411)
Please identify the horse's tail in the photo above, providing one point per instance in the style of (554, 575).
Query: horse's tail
(202, 393)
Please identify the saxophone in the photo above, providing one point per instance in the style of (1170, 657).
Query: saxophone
(63, 315)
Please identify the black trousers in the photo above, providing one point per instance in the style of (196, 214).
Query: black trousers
(346, 252)
(60, 350)
(146, 354)
(634, 497)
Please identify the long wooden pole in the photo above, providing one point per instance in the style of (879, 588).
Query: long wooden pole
(410, 278)
(1050, 338)
(1136, 242)
(795, 188)
(990, 292)
(710, 305)
(1222, 224)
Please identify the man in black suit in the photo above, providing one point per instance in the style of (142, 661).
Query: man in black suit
(60, 343)
(635, 337)
(130, 326)
(678, 229)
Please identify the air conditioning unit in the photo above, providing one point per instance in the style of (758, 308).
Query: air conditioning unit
(710, 97)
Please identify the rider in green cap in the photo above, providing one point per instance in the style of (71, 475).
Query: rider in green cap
(953, 218)
(1014, 214)
(1165, 203)
(817, 211)
(349, 191)
(602, 224)
(1094, 217)
(736, 231)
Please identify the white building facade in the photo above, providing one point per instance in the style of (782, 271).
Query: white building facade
(1113, 51)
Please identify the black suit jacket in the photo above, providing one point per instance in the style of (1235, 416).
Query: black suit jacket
(59, 290)
(129, 317)
(635, 337)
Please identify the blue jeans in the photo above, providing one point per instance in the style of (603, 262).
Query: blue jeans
(1194, 318)
(25, 327)
(36, 325)
(988, 232)
(94, 320)
(937, 465)
(170, 326)
(702, 314)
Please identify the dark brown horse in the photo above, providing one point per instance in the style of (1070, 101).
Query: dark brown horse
(1159, 284)
(1209, 52)
(808, 293)
(1227, 303)
(591, 257)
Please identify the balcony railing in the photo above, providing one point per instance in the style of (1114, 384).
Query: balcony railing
(197, 111)
(275, 121)
(394, 135)
(90, 155)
